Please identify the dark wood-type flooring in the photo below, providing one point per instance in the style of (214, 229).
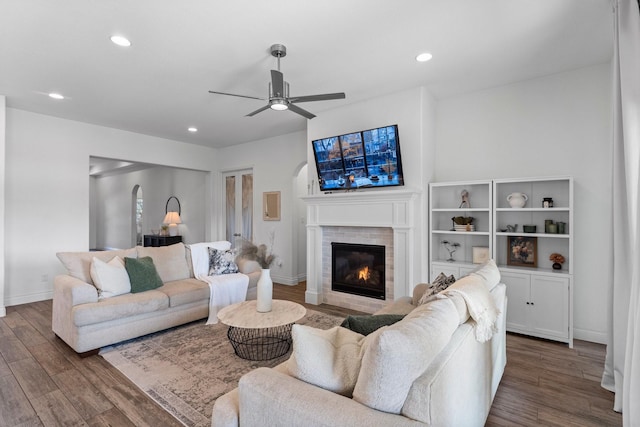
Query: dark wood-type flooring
(44, 383)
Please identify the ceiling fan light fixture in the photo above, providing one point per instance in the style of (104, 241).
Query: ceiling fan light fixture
(278, 104)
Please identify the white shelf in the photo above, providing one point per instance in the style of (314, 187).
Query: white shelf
(462, 233)
(533, 209)
(462, 210)
(545, 235)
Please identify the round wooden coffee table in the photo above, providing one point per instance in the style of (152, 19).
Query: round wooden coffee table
(261, 336)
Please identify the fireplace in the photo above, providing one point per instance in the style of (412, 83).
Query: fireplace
(358, 269)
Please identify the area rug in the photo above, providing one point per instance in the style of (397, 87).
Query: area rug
(185, 369)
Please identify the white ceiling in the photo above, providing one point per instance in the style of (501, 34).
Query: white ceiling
(365, 48)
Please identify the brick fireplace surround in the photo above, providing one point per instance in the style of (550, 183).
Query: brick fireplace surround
(369, 217)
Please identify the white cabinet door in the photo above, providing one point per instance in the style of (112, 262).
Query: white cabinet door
(518, 306)
(550, 299)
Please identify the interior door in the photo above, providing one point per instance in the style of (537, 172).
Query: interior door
(238, 193)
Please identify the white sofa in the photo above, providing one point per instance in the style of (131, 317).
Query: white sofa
(456, 387)
(86, 323)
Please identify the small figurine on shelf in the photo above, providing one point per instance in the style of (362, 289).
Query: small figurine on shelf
(451, 247)
(465, 200)
(557, 259)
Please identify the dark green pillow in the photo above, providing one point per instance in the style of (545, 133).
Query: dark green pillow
(142, 274)
(366, 324)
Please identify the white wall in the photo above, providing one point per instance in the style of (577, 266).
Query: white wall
(275, 163)
(47, 191)
(414, 113)
(113, 195)
(555, 125)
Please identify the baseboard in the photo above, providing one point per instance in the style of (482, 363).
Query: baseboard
(312, 298)
(284, 280)
(591, 336)
(26, 299)
(3, 311)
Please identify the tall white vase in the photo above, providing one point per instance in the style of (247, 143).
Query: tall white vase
(265, 291)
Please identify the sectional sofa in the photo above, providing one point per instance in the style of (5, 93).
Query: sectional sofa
(87, 322)
(455, 376)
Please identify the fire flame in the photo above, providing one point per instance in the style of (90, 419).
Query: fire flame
(364, 274)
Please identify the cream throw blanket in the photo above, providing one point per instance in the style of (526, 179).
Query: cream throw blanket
(224, 289)
(480, 304)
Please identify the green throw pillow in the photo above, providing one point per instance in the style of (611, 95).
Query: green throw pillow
(142, 274)
(366, 324)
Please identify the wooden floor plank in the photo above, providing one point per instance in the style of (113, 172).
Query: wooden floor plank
(54, 409)
(15, 408)
(32, 378)
(86, 398)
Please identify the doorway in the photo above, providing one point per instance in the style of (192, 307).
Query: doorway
(137, 203)
(238, 196)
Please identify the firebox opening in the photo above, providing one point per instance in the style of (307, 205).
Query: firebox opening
(358, 269)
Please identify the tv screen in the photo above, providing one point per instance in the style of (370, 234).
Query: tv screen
(369, 158)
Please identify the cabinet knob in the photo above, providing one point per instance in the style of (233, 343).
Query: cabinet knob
(528, 303)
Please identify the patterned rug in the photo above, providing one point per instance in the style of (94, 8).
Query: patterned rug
(185, 369)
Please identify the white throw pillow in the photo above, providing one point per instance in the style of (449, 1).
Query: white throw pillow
(395, 356)
(329, 359)
(110, 278)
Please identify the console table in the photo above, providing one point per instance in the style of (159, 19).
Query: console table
(155, 240)
(261, 336)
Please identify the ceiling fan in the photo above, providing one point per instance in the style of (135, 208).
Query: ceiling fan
(279, 98)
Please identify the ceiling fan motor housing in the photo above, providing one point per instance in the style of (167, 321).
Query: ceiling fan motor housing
(278, 50)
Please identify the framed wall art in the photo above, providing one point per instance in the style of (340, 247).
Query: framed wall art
(523, 251)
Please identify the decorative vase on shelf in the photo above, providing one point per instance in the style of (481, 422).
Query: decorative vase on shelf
(265, 291)
(517, 200)
(556, 266)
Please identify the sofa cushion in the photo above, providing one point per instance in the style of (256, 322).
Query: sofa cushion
(110, 278)
(78, 264)
(170, 261)
(329, 359)
(221, 262)
(489, 272)
(366, 324)
(394, 356)
(118, 307)
(186, 291)
(142, 274)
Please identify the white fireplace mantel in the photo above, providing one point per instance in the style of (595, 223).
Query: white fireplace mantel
(395, 208)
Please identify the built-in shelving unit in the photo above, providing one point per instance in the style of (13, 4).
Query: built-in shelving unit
(540, 298)
(445, 200)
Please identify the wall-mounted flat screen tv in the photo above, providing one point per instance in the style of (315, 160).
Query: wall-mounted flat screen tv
(369, 158)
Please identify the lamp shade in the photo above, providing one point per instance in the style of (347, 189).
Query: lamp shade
(172, 218)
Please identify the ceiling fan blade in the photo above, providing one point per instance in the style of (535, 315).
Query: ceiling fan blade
(322, 97)
(233, 94)
(277, 84)
(300, 111)
(259, 110)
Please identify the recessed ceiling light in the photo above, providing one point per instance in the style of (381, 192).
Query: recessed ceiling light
(192, 129)
(121, 41)
(424, 57)
(55, 95)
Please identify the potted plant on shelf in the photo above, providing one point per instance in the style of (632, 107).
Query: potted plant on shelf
(557, 260)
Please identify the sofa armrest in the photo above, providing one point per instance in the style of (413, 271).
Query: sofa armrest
(74, 290)
(268, 397)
